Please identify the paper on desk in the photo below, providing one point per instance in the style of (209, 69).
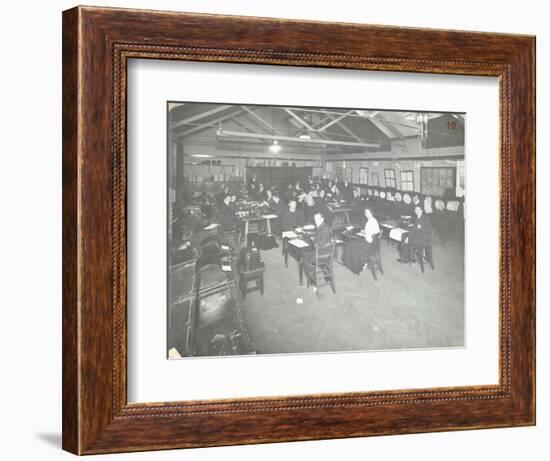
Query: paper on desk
(387, 226)
(211, 226)
(309, 227)
(225, 247)
(269, 216)
(298, 243)
(397, 233)
(348, 228)
(226, 268)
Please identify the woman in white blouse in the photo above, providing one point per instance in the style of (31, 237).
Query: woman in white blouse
(371, 226)
(357, 252)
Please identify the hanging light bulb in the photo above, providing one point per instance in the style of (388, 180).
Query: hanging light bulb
(275, 147)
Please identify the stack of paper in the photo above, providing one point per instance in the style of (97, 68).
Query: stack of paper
(211, 226)
(397, 233)
(289, 235)
(298, 243)
(309, 227)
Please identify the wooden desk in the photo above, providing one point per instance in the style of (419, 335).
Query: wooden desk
(248, 219)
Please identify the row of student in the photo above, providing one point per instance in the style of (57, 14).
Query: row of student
(336, 190)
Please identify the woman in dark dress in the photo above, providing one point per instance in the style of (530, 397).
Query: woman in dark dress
(357, 252)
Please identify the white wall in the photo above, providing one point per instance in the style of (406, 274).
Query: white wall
(30, 188)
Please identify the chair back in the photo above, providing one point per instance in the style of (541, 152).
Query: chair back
(325, 255)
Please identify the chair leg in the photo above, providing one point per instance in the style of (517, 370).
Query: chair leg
(373, 271)
(430, 257)
(262, 285)
(332, 282)
(420, 257)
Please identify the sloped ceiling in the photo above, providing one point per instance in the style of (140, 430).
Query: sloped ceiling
(317, 130)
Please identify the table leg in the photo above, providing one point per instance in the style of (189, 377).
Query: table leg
(269, 226)
(246, 232)
(301, 271)
(285, 251)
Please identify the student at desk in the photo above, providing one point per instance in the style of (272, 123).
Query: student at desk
(276, 206)
(220, 196)
(419, 237)
(292, 218)
(321, 241)
(227, 215)
(357, 252)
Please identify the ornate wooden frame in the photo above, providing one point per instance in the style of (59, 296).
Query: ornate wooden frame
(97, 43)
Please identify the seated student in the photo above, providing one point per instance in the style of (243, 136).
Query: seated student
(309, 209)
(233, 203)
(292, 217)
(227, 215)
(220, 196)
(261, 194)
(321, 241)
(276, 206)
(358, 252)
(290, 194)
(347, 191)
(252, 185)
(335, 193)
(322, 207)
(357, 209)
(420, 237)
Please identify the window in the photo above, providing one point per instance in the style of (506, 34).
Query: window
(375, 179)
(438, 181)
(407, 180)
(363, 175)
(389, 176)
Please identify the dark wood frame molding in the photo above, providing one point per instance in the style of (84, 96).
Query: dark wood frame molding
(97, 44)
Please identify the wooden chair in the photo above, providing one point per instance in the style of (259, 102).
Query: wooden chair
(255, 275)
(375, 260)
(421, 253)
(320, 271)
(251, 271)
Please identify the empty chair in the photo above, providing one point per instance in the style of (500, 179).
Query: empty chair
(319, 272)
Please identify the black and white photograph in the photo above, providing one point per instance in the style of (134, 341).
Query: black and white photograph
(313, 229)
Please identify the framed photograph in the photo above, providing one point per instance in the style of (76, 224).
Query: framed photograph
(223, 278)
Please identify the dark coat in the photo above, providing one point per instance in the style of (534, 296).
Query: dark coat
(322, 236)
(421, 234)
(227, 217)
(291, 220)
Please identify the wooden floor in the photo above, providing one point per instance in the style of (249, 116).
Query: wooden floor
(403, 309)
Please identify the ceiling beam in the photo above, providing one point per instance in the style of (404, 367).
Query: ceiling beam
(211, 124)
(325, 142)
(242, 125)
(380, 118)
(266, 124)
(335, 120)
(194, 118)
(299, 119)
